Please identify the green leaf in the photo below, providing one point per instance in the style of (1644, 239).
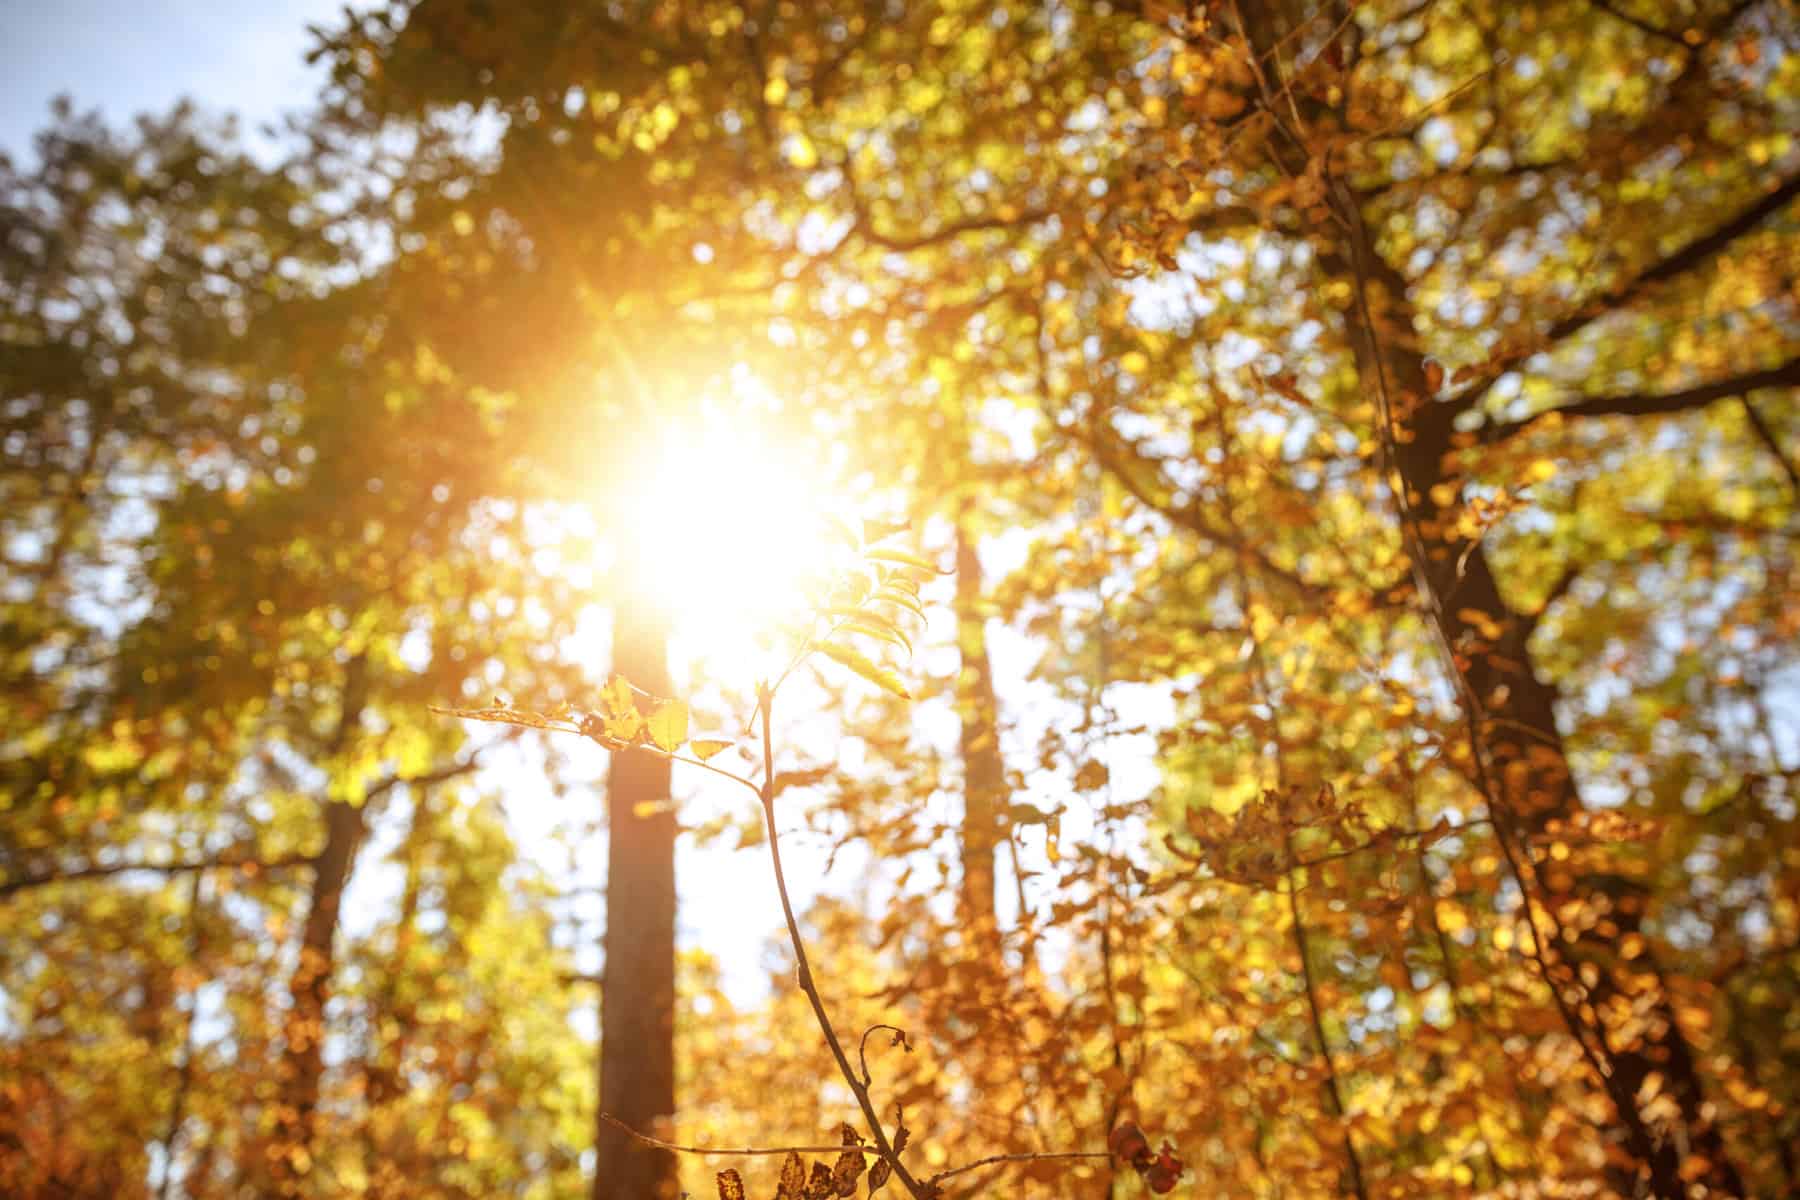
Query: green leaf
(705, 748)
(876, 674)
(668, 725)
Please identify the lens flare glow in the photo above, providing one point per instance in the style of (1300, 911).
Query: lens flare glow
(729, 534)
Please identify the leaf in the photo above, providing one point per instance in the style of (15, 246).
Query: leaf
(731, 1185)
(791, 779)
(819, 1187)
(793, 1179)
(849, 1166)
(900, 599)
(705, 748)
(616, 699)
(668, 725)
(878, 1174)
(875, 531)
(506, 716)
(845, 532)
(876, 674)
(902, 558)
(880, 630)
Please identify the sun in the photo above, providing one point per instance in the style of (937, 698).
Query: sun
(728, 530)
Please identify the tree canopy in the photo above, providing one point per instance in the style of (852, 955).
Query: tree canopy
(1299, 699)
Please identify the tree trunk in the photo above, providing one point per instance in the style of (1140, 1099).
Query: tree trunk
(984, 769)
(1517, 738)
(309, 988)
(637, 990)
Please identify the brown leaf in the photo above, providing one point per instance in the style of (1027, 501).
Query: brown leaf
(849, 1166)
(878, 1174)
(731, 1186)
(820, 1186)
(793, 1179)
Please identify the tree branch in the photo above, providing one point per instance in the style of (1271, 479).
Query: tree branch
(1642, 404)
(103, 870)
(1692, 255)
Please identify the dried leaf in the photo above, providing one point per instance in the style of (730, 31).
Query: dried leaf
(848, 1170)
(819, 1186)
(731, 1186)
(878, 1174)
(793, 1179)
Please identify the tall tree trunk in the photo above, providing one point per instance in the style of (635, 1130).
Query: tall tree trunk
(637, 988)
(309, 988)
(984, 769)
(1517, 738)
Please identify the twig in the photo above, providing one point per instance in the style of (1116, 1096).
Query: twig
(765, 702)
(862, 1047)
(937, 1179)
(727, 1152)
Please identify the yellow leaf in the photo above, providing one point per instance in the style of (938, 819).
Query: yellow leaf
(668, 725)
(878, 675)
(705, 748)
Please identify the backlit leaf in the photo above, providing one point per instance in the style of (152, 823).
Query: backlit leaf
(876, 674)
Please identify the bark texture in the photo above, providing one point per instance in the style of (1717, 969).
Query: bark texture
(637, 990)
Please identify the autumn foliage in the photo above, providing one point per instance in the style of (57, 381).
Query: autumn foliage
(1299, 698)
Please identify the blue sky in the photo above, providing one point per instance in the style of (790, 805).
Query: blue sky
(245, 56)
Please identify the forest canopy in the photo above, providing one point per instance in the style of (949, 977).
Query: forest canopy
(805, 598)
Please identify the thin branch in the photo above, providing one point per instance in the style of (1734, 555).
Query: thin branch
(862, 1047)
(765, 706)
(725, 1152)
(1767, 437)
(1645, 404)
(103, 870)
(992, 1159)
(1611, 9)
(1693, 254)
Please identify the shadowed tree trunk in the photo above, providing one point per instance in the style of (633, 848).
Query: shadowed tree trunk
(984, 770)
(637, 989)
(1513, 728)
(1532, 785)
(309, 988)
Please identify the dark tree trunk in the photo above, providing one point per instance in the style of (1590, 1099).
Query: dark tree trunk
(1517, 739)
(309, 988)
(637, 990)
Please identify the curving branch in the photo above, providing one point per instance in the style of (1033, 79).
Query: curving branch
(22, 883)
(1647, 404)
(1694, 254)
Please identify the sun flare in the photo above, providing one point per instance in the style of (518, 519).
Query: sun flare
(729, 533)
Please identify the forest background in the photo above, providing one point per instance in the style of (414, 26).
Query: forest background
(1291, 508)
